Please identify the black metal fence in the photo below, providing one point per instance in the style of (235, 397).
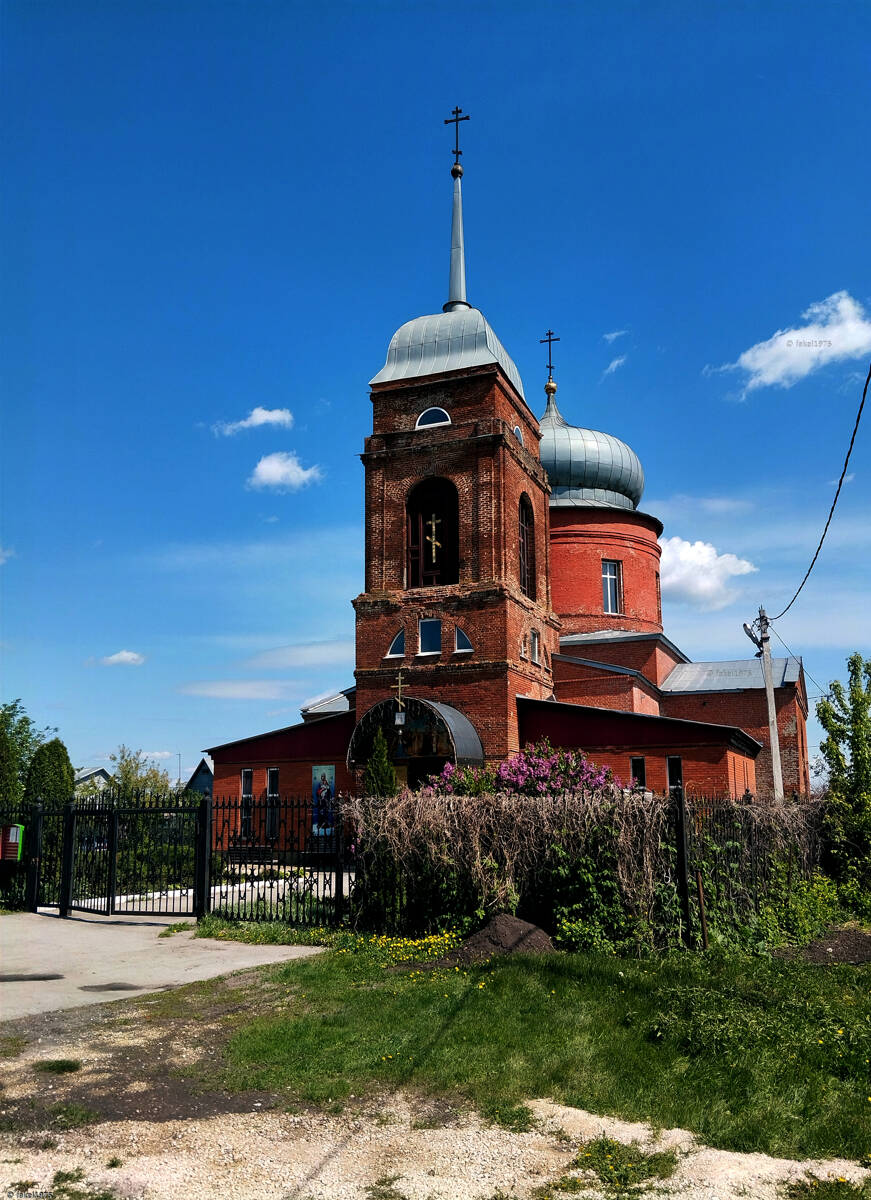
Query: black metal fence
(280, 858)
(272, 858)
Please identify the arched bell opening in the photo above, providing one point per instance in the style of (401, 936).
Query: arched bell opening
(421, 738)
(433, 525)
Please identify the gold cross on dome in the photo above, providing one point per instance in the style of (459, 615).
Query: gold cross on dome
(433, 524)
(397, 687)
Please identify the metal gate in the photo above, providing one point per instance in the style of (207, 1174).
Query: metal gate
(261, 858)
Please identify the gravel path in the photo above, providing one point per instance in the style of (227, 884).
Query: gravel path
(180, 1136)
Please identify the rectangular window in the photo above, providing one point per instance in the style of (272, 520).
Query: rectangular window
(247, 808)
(674, 766)
(272, 802)
(612, 586)
(430, 635)
(638, 771)
(535, 647)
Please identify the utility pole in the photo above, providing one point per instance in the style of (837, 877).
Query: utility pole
(763, 641)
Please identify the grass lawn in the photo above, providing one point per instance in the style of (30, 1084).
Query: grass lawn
(748, 1052)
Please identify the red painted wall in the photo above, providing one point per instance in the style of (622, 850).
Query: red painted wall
(749, 711)
(580, 538)
(711, 765)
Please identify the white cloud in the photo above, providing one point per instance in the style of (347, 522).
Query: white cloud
(5, 554)
(696, 573)
(308, 654)
(848, 478)
(837, 328)
(161, 754)
(124, 658)
(239, 689)
(682, 505)
(257, 417)
(612, 337)
(614, 365)
(282, 472)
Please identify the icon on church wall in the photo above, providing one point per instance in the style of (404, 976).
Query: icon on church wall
(323, 795)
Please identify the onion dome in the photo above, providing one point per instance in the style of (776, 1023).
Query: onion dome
(586, 468)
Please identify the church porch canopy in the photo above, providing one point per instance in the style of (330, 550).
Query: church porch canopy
(426, 729)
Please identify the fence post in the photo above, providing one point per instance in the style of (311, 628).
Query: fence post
(34, 857)
(683, 867)
(339, 886)
(112, 852)
(203, 858)
(65, 898)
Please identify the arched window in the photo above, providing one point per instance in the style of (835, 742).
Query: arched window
(462, 642)
(526, 525)
(397, 646)
(433, 521)
(518, 433)
(432, 416)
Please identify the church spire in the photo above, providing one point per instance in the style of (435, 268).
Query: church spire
(552, 414)
(457, 284)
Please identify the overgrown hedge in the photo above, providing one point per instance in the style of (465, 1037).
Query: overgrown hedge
(595, 865)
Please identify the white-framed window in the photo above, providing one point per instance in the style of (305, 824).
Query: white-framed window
(397, 646)
(429, 634)
(518, 433)
(462, 643)
(612, 586)
(431, 417)
(523, 643)
(535, 646)
(272, 802)
(247, 808)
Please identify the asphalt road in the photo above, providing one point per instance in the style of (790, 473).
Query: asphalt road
(49, 963)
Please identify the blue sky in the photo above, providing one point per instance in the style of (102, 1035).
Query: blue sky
(212, 209)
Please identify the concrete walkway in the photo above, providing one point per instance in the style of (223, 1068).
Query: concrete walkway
(48, 963)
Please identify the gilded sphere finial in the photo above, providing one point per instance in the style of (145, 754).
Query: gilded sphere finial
(456, 171)
(550, 387)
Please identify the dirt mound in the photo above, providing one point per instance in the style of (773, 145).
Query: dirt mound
(503, 935)
(846, 945)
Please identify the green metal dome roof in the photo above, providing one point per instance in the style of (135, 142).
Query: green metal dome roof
(586, 468)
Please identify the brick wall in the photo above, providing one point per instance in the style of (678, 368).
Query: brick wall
(480, 453)
(575, 683)
(749, 711)
(580, 539)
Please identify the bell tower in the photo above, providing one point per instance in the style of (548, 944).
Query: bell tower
(457, 590)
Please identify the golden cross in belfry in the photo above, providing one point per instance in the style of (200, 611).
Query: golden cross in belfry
(433, 524)
(397, 687)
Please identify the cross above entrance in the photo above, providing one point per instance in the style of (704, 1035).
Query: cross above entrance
(397, 687)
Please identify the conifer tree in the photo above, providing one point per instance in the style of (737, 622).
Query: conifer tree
(379, 778)
(50, 775)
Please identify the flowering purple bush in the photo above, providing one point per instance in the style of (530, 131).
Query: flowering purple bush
(536, 770)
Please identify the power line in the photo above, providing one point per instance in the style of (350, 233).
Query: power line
(834, 502)
(823, 691)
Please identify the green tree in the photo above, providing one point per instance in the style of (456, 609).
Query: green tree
(23, 738)
(50, 775)
(134, 773)
(845, 715)
(379, 777)
(10, 788)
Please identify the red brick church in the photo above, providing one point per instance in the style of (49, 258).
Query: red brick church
(512, 593)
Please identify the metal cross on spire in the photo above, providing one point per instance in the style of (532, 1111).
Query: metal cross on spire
(455, 121)
(550, 339)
